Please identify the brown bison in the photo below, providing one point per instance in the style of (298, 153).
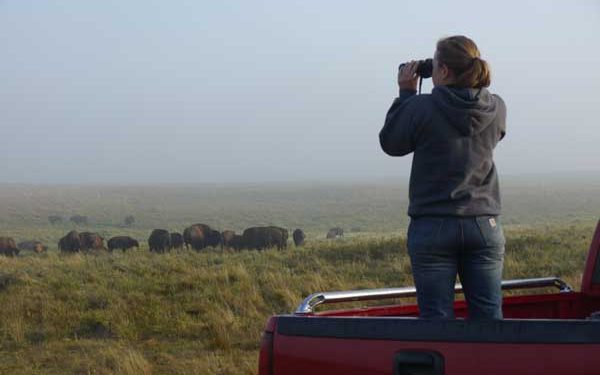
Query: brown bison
(8, 247)
(159, 241)
(91, 241)
(35, 246)
(194, 236)
(70, 243)
(176, 240)
(199, 236)
(227, 236)
(237, 242)
(122, 242)
(335, 233)
(55, 219)
(298, 237)
(265, 237)
(215, 239)
(79, 219)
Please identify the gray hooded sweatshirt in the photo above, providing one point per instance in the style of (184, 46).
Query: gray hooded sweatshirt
(452, 132)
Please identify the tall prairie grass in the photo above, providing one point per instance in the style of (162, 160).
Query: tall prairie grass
(203, 313)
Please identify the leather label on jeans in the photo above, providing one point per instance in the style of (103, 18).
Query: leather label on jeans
(493, 222)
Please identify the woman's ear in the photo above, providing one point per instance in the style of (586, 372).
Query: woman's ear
(445, 72)
(446, 75)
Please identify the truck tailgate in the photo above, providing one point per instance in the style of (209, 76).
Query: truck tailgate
(411, 346)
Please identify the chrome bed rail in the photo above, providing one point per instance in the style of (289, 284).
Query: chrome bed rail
(311, 302)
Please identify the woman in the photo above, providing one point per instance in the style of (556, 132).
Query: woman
(454, 194)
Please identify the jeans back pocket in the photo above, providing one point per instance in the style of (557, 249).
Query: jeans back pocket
(491, 230)
(423, 231)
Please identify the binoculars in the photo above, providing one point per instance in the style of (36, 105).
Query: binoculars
(425, 68)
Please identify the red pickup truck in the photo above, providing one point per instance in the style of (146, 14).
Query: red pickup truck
(549, 333)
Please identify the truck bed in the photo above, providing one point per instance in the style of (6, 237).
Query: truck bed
(555, 333)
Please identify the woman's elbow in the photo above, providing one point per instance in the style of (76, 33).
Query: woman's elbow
(393, 150)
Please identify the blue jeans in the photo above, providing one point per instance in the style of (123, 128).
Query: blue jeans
(440, 247)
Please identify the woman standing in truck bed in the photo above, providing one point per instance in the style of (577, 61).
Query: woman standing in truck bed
(454, 191)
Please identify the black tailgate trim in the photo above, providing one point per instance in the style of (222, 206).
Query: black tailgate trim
(412, 329)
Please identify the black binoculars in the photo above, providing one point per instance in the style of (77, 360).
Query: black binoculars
(425, 68)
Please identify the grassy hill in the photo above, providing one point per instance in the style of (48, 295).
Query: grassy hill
(203, 313)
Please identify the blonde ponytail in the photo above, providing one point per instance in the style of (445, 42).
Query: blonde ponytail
(461, 55)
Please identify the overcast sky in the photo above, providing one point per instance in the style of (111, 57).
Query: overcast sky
(249, 91)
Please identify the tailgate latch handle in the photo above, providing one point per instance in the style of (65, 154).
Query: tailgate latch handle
(415, 362)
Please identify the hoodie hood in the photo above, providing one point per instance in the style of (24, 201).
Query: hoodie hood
(469, 110)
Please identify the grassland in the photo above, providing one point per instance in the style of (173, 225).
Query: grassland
(202, 313)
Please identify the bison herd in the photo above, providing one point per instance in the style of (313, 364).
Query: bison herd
(8, 246)
(196, 237)
(200, 236)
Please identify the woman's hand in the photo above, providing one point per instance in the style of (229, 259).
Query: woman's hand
(407, 76)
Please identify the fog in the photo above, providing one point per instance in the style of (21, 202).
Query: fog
(133, 92)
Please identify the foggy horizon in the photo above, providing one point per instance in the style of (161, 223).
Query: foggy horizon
(575, 177)
(184, 92)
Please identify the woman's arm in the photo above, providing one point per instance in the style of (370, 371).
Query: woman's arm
(502, 113)
(397, 136)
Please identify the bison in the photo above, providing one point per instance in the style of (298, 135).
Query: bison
(8, 247)
(129, 220)
(35, 246)
(159, 241)
(176, 240)
(70, 243)
(264, 237)
(236, 242)
(335, 232)
(55, 219)
(214, 238)
(197, 236)
(79, 219)
(298, 237)
(91, 241)
(227, 236)
(122, 242)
